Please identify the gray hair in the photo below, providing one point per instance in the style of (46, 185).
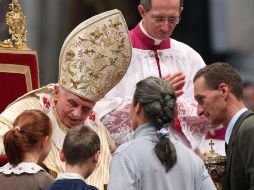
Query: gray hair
(158, 99)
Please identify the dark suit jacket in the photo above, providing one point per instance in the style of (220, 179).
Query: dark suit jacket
(240, 155)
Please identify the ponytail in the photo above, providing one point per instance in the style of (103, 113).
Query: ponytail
(158, 99)
(166, 153)
(12, 146)
(29, 128)
(165, 149)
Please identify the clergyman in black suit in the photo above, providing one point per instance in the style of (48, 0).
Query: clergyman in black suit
(218, 90)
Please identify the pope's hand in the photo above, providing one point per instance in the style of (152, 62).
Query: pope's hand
(177, 80)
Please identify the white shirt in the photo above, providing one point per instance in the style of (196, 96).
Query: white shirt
(70, 176)
(232, 123)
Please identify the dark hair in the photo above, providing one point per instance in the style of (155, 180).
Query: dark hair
(147, 4)
(220, 72)
(80, 143)
(158, 99)
(29, 128)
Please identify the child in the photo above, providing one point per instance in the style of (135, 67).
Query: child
(27, 144)
(81, 149)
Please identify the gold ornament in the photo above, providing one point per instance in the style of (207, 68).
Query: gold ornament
(215, 164)
(16, 21)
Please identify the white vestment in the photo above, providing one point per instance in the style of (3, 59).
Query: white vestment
(173, 56)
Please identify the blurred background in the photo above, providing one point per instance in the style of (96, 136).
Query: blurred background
(220, 30)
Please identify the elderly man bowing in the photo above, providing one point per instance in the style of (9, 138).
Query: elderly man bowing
(93, 59)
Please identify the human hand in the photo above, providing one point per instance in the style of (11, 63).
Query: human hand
(177, 80)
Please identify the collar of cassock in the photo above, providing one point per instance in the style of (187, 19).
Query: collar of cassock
(147, 42)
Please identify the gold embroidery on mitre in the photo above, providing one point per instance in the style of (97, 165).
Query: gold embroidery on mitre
(96, 57)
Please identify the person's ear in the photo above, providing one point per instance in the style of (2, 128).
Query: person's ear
(44, 142)
(224, 89)
(56, 92)
(142, 11)
(61, 154)
(96, 157)
(138, 108)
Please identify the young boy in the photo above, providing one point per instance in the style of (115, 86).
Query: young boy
(81, 149)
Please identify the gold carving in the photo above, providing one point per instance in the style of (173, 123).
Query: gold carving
(215, 164)
(16, 21)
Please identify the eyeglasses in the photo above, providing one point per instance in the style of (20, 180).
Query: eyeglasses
(162, 20)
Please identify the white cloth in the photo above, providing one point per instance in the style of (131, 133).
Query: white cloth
(135, 166)
(70, 176)
(23, 167)
(178, 58)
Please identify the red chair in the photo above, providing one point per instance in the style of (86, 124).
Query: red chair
(19, 74)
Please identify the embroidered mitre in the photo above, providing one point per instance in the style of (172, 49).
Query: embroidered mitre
(95, 56)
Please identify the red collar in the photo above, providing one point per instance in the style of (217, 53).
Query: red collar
(141, 41)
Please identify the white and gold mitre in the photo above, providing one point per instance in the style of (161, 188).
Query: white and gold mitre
(95, 56)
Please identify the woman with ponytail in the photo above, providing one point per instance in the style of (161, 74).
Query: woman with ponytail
(26, 145)
(151, 161)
